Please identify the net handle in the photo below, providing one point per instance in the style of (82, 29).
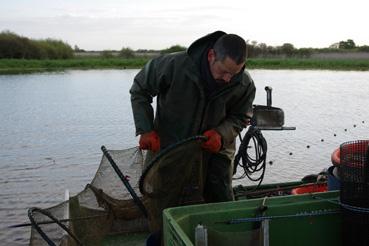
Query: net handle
(42, 233)
(125, 181)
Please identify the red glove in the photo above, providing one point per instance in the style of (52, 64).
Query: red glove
(150, 141)
(214, 142)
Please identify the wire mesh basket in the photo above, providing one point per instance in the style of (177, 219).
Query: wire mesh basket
(354, 173)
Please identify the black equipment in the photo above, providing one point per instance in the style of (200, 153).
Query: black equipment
(265, 117)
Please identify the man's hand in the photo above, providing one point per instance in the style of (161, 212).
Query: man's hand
(214, 142)
(150, 141)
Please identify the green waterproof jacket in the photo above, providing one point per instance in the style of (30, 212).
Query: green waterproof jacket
(182, 108)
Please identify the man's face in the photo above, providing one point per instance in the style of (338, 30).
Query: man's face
(223, 71)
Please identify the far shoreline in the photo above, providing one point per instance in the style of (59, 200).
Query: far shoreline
(23, 66)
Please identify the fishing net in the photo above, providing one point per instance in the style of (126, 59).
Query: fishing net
(354, 174)
(104, 207)
(176, 178)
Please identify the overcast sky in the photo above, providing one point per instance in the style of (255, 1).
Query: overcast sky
(158, 24)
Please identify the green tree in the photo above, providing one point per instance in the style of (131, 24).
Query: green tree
(273, 50)
(304, 52)
(15, 46)
(172, 49)
(11, 45)
(349, 44)
(364, 48)
(288, 49)
(126, 52)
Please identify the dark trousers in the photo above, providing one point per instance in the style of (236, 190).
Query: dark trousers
(218, 180)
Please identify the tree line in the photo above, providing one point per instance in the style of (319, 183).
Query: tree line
(288, 50)
(254, 50)
(127, 52)
(17, 47)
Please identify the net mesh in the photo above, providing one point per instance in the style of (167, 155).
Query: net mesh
(354, 174)
(103, 208)
(175, 179)
(159, 180)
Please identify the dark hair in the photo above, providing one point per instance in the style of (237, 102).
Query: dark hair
(230, 45)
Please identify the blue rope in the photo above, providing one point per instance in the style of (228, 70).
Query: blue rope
(354, 208)
(346, 206)
(261, 218)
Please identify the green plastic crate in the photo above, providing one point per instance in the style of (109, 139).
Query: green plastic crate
(298, 228)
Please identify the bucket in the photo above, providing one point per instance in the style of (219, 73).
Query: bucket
(333, 180)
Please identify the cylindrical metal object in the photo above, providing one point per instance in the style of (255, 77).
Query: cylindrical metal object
(268, 90)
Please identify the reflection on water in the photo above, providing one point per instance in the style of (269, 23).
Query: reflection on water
(52, 126)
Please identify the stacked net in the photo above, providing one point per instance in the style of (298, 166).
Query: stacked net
(104, 207)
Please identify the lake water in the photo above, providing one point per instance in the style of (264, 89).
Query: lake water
(53, 124)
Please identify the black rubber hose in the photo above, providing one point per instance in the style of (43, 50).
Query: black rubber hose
(245, 161)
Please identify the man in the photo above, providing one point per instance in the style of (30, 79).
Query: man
(203, 91)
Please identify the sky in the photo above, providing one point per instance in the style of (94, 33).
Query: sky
(159, 24)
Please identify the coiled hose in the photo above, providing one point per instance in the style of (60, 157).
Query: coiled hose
(252, 164)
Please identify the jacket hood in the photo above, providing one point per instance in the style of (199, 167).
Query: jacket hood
(198, 47)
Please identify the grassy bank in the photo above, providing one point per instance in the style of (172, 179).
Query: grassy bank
(324, 64)
(14, 66)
